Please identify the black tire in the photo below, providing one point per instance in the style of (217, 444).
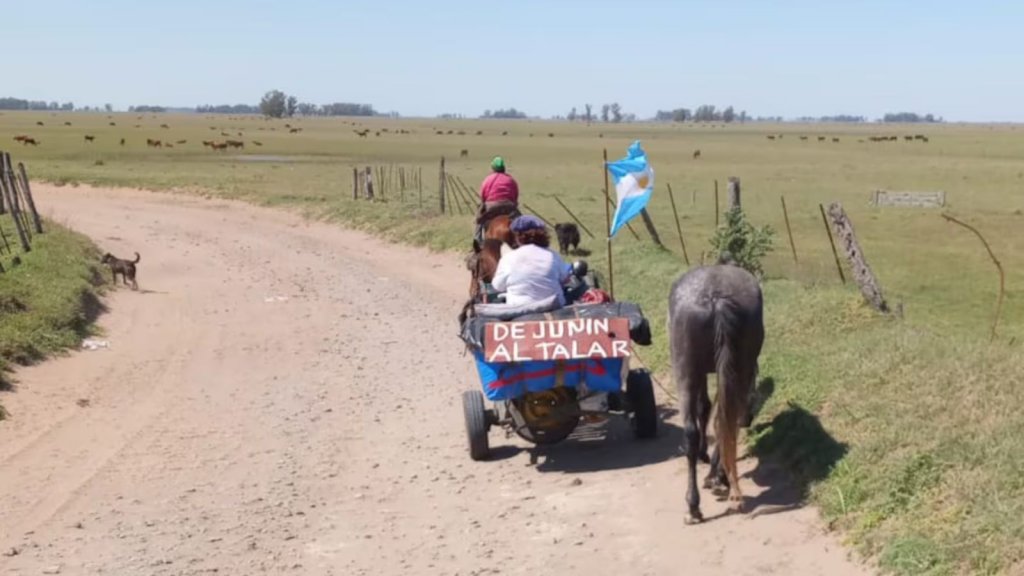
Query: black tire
(644, 416)
(476, 424)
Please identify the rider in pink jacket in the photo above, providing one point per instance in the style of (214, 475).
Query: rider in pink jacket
(499, 186)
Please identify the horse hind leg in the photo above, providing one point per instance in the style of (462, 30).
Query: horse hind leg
(689, 399)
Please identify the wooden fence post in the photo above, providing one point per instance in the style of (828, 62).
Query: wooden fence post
(368, 181)
(419, 183)
(679, 228)
(573, 216)
(716, 203)
(7, 186)
(355, 183)
(862, 274)
(18, 201)
(828, 230)
(650, 227)
(733, 189)
(785, 214)
(440, 185)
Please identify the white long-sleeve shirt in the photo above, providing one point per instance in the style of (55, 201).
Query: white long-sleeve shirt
(530, 274)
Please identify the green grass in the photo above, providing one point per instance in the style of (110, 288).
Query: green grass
(49, 300)
(907, 433)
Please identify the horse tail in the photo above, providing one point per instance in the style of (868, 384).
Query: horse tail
(137, 258)
(731, 384)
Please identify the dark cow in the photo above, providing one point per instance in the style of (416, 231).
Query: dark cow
(568, 235)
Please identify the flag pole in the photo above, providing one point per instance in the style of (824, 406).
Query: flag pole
(608, 226)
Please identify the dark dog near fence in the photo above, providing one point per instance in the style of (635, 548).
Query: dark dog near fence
(568, 234)
(126, 268)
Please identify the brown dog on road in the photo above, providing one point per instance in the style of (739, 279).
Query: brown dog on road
(126, 268)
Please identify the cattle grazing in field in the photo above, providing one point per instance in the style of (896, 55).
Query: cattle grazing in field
(464, 153)
(20, 138)
(257, 143)
(113, 123)
(207, 142)
(235, 143)
(551, 134)
(770, 137)
(297, 130)
(165, 126)
(835, 139)
(696, 154)
(154, 143)
(439, 133)
(568, 235)
(908, 138)
(67, 123)
(219, 145)
(505, 133)
(182, 142)
(31, 141)
(479, 132)
(821, 138)
(122, 141)
(40, 123)
(169, 145)
(803, 137)
(224, 134)
(89, 138)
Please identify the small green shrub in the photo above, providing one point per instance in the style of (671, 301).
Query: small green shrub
(746, 244)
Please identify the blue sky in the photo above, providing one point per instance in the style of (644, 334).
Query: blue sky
(959, 60)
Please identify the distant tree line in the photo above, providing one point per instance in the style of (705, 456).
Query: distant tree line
(20, 104)
(511, 113)
(609, 113)
(277, 104)
(837, 118)
(147, 109)
(228, 109)
(703, 113)
(909, 117)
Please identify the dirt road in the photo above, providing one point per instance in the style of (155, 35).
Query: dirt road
(283, 397)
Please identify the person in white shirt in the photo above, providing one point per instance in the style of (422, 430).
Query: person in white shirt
(531, 273)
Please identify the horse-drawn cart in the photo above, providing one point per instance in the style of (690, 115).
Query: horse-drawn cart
(546, 369)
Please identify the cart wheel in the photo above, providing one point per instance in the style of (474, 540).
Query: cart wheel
(476, 424)
(640, 391)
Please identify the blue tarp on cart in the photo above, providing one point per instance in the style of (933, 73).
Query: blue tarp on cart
(505, 381)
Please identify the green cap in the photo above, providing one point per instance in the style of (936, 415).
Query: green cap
(498, 164)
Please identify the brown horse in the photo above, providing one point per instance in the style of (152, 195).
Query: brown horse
(483, 264)
(500, 228)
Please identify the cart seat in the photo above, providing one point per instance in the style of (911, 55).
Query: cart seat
(507, 312)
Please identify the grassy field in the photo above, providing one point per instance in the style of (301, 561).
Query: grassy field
(49, 300)
(906, 432)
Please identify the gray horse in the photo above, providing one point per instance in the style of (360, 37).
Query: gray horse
(715, 324)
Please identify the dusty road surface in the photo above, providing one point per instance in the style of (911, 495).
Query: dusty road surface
(282, 397)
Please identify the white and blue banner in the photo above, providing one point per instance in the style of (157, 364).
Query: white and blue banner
(634, 182)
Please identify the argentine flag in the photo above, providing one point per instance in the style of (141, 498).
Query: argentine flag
(634, 182)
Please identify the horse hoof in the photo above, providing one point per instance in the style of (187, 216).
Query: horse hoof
(735, 505)
(694, 518)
